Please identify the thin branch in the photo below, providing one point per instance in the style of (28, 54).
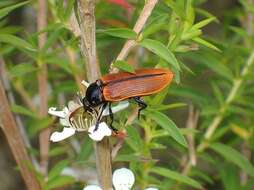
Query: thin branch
(220, 116)
(88, 49)
(42, 84)
(7, 86)
(14, 138)
(192, 124)
(144, 15)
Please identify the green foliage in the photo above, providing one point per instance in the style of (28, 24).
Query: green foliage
(124, 66)
(212, 60)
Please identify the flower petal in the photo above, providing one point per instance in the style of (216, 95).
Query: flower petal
(64, 122)
(121, 105)
(92, 187)
(123, 179)
(86, 84)
(59, 136)
(102, 131)
(151, 188)
(62, 114)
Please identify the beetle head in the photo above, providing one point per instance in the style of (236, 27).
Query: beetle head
(93, 95)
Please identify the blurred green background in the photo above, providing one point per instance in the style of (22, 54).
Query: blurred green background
(211, 99)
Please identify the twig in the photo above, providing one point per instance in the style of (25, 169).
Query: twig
(6, 84)
(144, 15)
(42, 84)
(248, 23)
(14, 138)
(72, 59)
(88, 47)
(220, 116)
(192, 124)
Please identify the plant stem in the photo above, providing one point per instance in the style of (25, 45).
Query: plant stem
(220, 116)
(17, 145)
(42, 84)
(88, 47)
(231, 96)
(144, 15)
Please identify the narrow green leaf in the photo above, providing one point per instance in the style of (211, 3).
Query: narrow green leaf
(233, 156)
(123, 65)
(24, 111)
(86, 150)
(16, 41)
(57, 151)
(5, 11)
(206, 43)
(162, 107)
(133, 139)
(69, 8)
(176, 176)
(57, 169)
(161, 50)
(119, 32)
(59, 181)
(190, 34)
(21, 69)
(157, 24)
(58, 31)
(214, 63)
(218, 94)
(169, 126)
(202, 23)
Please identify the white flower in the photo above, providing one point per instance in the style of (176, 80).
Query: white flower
(123, 179)
(92, 187)
(102, 131)
(59, 136)
(76, 122)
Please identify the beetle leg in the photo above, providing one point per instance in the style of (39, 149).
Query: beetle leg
(142, 105)
(99, 116)
(111, 119)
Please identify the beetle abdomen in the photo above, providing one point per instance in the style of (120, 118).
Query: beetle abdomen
(144, 82)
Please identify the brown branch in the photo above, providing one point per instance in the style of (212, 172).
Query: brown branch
(144, 15)
(14, 138)
(88, 49)
(76, 74)
(192, 124)
(42, 84)
(7, 86)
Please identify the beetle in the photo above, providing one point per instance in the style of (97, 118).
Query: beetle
(124, 85)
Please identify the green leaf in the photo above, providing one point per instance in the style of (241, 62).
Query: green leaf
(5, 11)
(86, 150)
(16, 41)
(56, 151)
(206, 43)
(161, 50)
(24, 111)
(57, 169)
(119, 32)
(176, 176)
(133, 139)
(57, 32)
(69, 8)
(123, 65)
(169, 126)
(233, 156)
(21, 69)
(202, 23)
(214, 63)
(60, 181)
(157, 24)
(218, 94)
